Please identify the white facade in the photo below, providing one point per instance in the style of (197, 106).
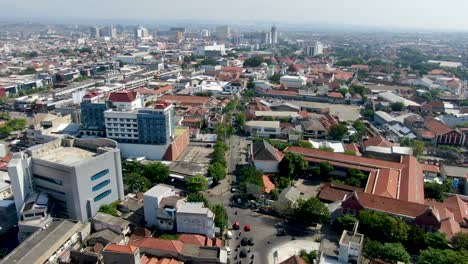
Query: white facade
(150, 152)
(83, 174)
(267, 166)
(263, 128)
(194, 218)
(203, 50)
(121, 125)
(318, 49)
(151, 200)
(233, 88)
(293, 81)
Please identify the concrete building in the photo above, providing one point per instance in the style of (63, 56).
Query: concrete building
(117, 225)
(211, 50)
(263, 128)
(293, 81)
(152, 200)
(274, 35)
(8, 217)
(194, 218)
(121, 254)
(80, 175)
(48, 244)
(350, 247)
(94, 32)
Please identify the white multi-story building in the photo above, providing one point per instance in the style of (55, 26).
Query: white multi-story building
(80, 175)
(274, 35)
(151, 203)
(195, 218)
(318, 49)
(233, 87)
(263, 128)
(211, 50)
(293, 81)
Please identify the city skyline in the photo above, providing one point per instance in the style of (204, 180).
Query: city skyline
(418, 14)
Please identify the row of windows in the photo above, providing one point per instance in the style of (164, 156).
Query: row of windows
(54, 181)
(102, 195)
(100, 185)
(99, 175)
(121, 119)
(121, 124)
(45, 189)
(121, 135)
(123, 130)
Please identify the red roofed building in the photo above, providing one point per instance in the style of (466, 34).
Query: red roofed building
(444, 134)
(126, 100)
(184, 100)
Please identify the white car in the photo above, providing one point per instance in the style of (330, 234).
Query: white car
(228, 235)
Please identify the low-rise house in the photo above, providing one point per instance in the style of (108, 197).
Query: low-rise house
(105, 237)
(213, 120)
(103, 221)
(195, 218)
(266, 157)
(286, 200)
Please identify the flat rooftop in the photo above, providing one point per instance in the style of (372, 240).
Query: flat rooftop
(66, 155)
(42, 244)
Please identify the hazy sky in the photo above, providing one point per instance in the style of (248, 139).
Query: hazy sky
(429, 14)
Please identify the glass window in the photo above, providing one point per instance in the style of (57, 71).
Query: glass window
(101, 185)
(102, 195)
(99, 175)
(54, 181)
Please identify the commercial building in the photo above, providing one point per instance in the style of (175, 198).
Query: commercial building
(80, 175)
(48, 244)
(211, 50)
(293, 81)
(263, 128)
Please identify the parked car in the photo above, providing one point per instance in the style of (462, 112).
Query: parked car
(247, 228)
(228, 235)
(251, 241)
(243, 253)
(236, 225)
(244, 242)
(228, 250)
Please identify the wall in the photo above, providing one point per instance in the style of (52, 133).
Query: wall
(266, 166)
(177, 147)
(150, 152)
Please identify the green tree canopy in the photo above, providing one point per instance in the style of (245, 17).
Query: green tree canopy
(460, 241)
(197, 198)
(311, 211)
(439, 256)
(338, 131)
(378, 226)
(436, 240)
(253, 62)
(136, 183)
(344, 222)
(389, 252)
(397, 106)
(292, 165)
(217, 171)
(197, 183)
(156, 172)
(221, 217)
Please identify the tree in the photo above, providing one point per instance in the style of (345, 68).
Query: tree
(397, 106)
(308, 257)
(439, 256)
(418, 146)
(110, 209)
(209, 61)
(85, 50)
(389, 252)
(197, 198)
(433, 190)
(197, 183)
(311, 211)
(359, 126)
(343, 91)
(304, 144)
(293, 165)
(436, 240)
(217, 171)
(368, 113)
(275, 78)
(338, 131)
(344, 222)
(28, 70)
(323, 169)
(241, 120)
(415, 241)
(460, 241)
(221, 216)
(136, 183)
(356, 178)
(156, 172)
(382, 227)
(253, 62)
(250, 174)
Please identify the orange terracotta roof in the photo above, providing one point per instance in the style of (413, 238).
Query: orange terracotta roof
(159, 244)
(164, 89)
(335, 95)
(437, 127)
(121, 248)
(197, 240)
(184, 99)
(378, 141)
(268, 185)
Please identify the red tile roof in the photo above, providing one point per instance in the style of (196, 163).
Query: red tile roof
(332, 192)
(335, 95)
(197, 240)
(185, 99)
(164, 89)
(159, 244)
(91, 95)
(268, 185)
(437, 127)
(378, 141)
(124, 96)
(293, 260)
(121, 248)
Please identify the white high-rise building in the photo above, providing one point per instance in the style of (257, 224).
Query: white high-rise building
(267, 38)
(318, 49)
(274, 35)
(141, 33)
